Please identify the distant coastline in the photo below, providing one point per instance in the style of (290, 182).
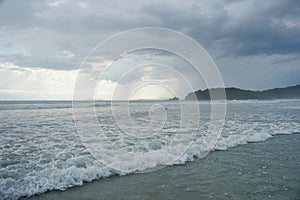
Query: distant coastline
(232, 93)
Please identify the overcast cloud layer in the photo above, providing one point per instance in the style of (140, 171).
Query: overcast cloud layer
(255, 44)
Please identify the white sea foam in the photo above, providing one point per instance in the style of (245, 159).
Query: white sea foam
(40, 151)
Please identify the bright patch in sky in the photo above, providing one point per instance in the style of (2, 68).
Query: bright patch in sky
(151, 91)
(35, 83)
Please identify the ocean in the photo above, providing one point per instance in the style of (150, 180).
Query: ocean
(41, 150)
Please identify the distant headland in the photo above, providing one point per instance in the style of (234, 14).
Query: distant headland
(292, 92)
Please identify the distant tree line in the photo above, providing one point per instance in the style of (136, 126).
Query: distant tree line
(232, 93)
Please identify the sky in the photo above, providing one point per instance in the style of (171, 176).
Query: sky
(254, 43)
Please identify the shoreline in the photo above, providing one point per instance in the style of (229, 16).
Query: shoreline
(260, 170)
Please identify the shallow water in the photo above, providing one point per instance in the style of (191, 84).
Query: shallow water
(263, 170)
(40, 150)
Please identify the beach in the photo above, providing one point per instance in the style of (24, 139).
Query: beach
(140, 100)
(43, 154)
(262, 170)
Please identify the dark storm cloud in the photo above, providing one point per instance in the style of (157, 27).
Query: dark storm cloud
(237, 28)
(60, 33)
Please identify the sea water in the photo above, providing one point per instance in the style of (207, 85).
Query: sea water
(40, 148)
